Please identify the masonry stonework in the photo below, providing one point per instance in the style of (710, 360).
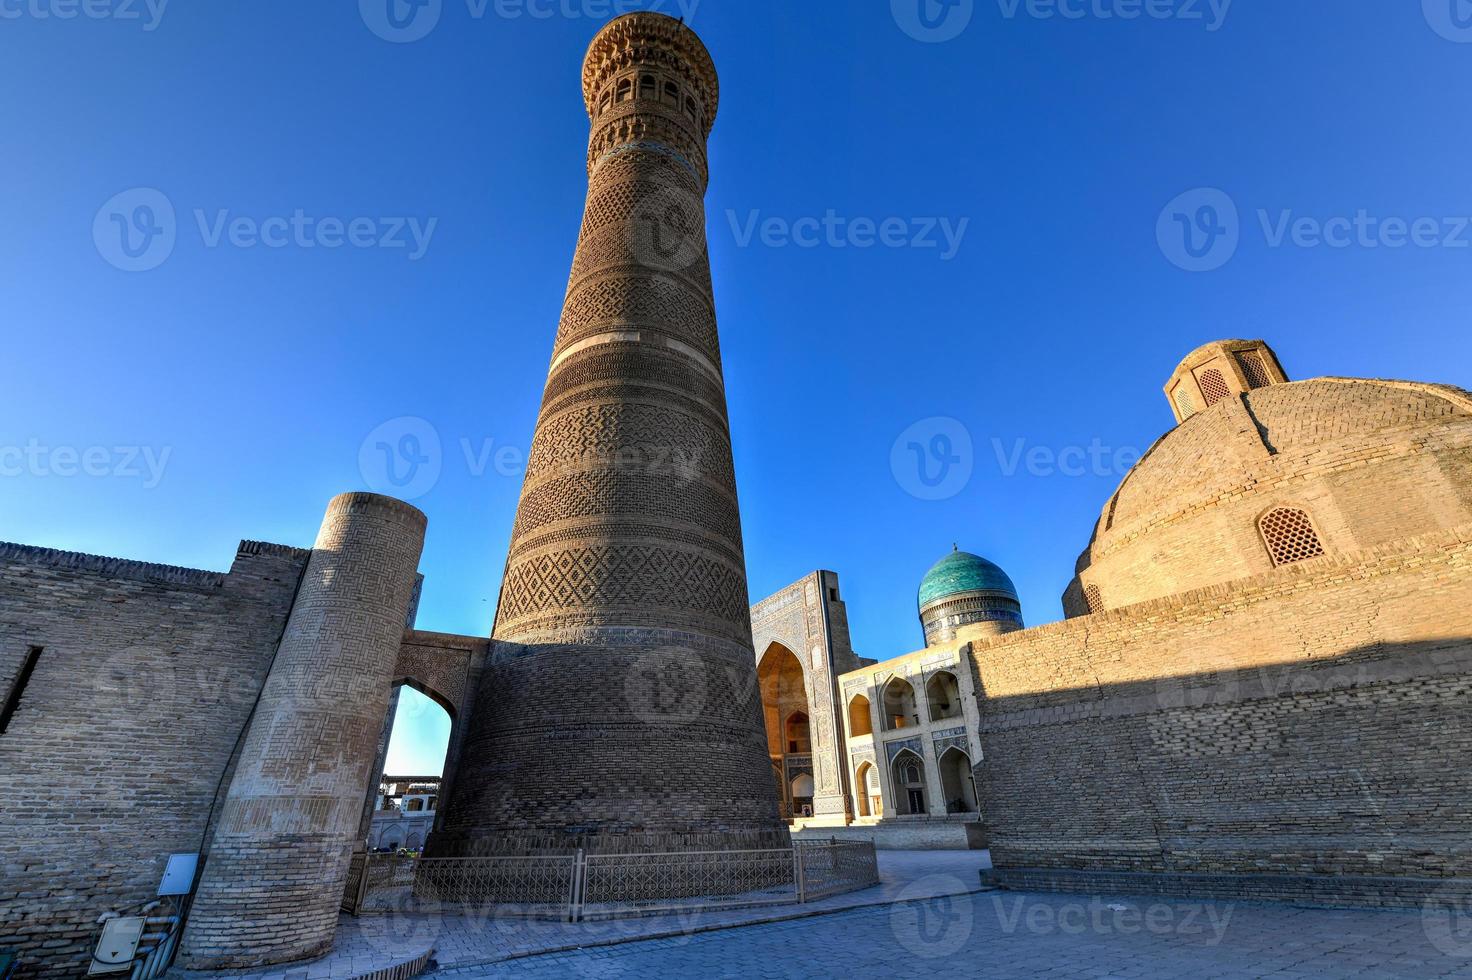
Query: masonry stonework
(1287, 733)
(619, 708)
(273, 879)
(125, 731)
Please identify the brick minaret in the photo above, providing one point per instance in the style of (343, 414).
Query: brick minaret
(621, 707)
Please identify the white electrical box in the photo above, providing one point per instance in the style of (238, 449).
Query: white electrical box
(118, 946)
(179, 875)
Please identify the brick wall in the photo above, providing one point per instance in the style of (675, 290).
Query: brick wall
(125, 730)
(1309, 721)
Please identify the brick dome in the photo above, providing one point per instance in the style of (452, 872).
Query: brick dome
(1227, 493)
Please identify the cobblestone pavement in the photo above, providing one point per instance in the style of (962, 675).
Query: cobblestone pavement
(1009, 934)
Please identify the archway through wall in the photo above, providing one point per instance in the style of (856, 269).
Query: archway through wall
(404, 793)
(786, 713)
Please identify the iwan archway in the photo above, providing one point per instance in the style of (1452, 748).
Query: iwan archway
(785, 711)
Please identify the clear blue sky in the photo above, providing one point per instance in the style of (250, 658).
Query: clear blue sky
(260, 371)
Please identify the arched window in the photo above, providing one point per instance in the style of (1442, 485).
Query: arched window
(944, 694)
(605, 102)
(692, 109)
(860, 722)
(647, 87)
(1094, 598)
(671, 94)
(799, 738)
(625, 89)
(1213, 386)
(1290, 536)
(413, 806)
(899, 705)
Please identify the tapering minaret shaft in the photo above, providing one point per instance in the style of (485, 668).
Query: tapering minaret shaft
(621, 702)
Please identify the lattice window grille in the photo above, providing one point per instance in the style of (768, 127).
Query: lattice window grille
(1213, 386)
(1093, 598)
(1185, 404)
(1290, 536)
(1254, 368)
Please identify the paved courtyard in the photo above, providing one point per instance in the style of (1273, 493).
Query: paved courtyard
(930, 917)
(1010, 934)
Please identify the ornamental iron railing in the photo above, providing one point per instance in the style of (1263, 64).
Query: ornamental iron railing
(579, 886)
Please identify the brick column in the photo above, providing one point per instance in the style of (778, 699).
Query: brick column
(276, 868)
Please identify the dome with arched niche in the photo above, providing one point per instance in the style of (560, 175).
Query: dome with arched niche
(1276, 475)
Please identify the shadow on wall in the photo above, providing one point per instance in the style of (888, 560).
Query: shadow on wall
(1346, 765)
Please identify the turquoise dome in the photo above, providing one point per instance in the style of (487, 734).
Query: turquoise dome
(961, 572)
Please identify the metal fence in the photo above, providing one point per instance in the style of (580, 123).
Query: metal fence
(835, 867)
(579, 886)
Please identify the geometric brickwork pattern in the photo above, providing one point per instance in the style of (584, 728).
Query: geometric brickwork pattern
(597, 493)
(278, 860)
(620, 701)
(644, 436)
(942, 620)
(1290, 536)
(636, 576)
